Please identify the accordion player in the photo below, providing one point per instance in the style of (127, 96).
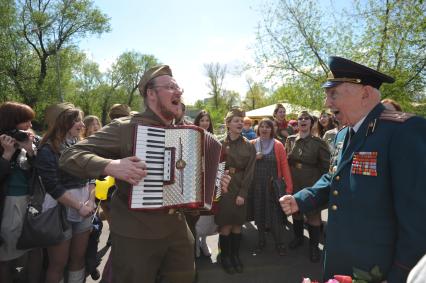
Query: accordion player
(183, 168)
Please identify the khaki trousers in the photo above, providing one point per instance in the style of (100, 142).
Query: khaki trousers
(170, 259)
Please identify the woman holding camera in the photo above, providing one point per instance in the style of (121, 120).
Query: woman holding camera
(17, 152)
(72, 192)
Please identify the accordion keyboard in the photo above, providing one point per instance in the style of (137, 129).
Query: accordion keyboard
(150, 148)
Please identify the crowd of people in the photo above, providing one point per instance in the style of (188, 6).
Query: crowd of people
(349, 160)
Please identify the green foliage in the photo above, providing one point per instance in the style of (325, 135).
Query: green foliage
(296, 37)
(38, 37)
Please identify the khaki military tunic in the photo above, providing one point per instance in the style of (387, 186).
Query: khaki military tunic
(158, 229)
(308, 158)
(240, 157)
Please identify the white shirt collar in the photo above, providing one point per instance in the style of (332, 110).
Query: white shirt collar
(358, 124)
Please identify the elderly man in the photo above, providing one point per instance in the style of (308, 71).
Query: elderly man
(376, 187)
(146, 245)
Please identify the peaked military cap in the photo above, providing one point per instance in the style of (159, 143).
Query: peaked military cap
(53, 111)
(152, 73)
(346, 71)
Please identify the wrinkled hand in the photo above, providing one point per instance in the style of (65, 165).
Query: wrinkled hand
(239, 201)
(224, 182)
(8, 145)
(289, 205)
(130, 169)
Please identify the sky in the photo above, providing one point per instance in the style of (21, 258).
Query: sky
(184, 34)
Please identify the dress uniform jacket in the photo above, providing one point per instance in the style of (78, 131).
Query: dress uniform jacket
(240, 157)
(376, 195)
(308, 158)
(89, 158)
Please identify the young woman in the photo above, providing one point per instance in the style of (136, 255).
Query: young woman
(203, 226)
(240, 158)
(92, 124)
(72, 192)
(17, 151)
(308, 157)
(283, 130)
(271, 164)
(325, 123)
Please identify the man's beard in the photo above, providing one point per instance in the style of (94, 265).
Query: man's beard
(169, 115)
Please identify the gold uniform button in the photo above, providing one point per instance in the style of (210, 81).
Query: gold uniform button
(335, 193)
(337, 178)
(334, 207)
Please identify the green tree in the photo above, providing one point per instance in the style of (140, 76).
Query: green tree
(231, 98)
(41, 31)
(296, 37)
(132, 65)
(255, 97)
(216, 74)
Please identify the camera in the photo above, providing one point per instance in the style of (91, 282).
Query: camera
(18, 135)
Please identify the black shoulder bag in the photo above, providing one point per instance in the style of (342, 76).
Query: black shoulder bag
(41, 228)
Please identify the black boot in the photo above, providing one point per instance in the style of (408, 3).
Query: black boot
(225, 253)
(261, 243)
(235, 252)
(298, 234)
(314, 234)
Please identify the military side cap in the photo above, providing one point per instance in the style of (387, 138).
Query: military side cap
(53, 111)
(152, 73)
(118, 111)
(346, 71)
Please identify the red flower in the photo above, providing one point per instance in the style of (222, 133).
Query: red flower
(343, 278)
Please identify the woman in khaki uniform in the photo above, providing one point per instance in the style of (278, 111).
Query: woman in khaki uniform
(240, 156)
(309, 158)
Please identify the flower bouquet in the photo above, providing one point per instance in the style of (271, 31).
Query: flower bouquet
(359, 276)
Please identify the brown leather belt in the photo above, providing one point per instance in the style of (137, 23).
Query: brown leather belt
(233, 170)
(299, 165)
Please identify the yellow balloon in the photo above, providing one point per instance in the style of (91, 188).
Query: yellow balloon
(102, 187)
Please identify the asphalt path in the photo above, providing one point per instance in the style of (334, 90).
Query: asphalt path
(266, 267)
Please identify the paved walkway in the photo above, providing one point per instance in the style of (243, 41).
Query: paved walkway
(267, 267)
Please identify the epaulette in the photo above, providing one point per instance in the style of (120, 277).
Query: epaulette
(395, 116)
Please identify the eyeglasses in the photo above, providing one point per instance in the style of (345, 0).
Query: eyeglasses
(303, 118)
(171, 87)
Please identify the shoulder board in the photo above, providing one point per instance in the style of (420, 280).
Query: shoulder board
(395, 116)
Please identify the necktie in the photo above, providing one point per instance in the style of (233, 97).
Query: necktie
(351, 134)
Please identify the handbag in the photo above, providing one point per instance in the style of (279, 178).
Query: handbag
(41, 228)
(278, 188)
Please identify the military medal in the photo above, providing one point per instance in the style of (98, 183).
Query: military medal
(364, 163)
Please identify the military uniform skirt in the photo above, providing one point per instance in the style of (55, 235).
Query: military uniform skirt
(228, 212)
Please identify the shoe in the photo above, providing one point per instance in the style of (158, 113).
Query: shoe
(205, 248)
(235, 252)
(281, 249)
(225, 253)
(260, 246)
(314, 254)
(297, 242)
(95, 274)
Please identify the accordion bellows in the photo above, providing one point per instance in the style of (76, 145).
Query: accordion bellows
(182, 165)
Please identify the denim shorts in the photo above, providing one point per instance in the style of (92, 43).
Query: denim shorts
(78, 227)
